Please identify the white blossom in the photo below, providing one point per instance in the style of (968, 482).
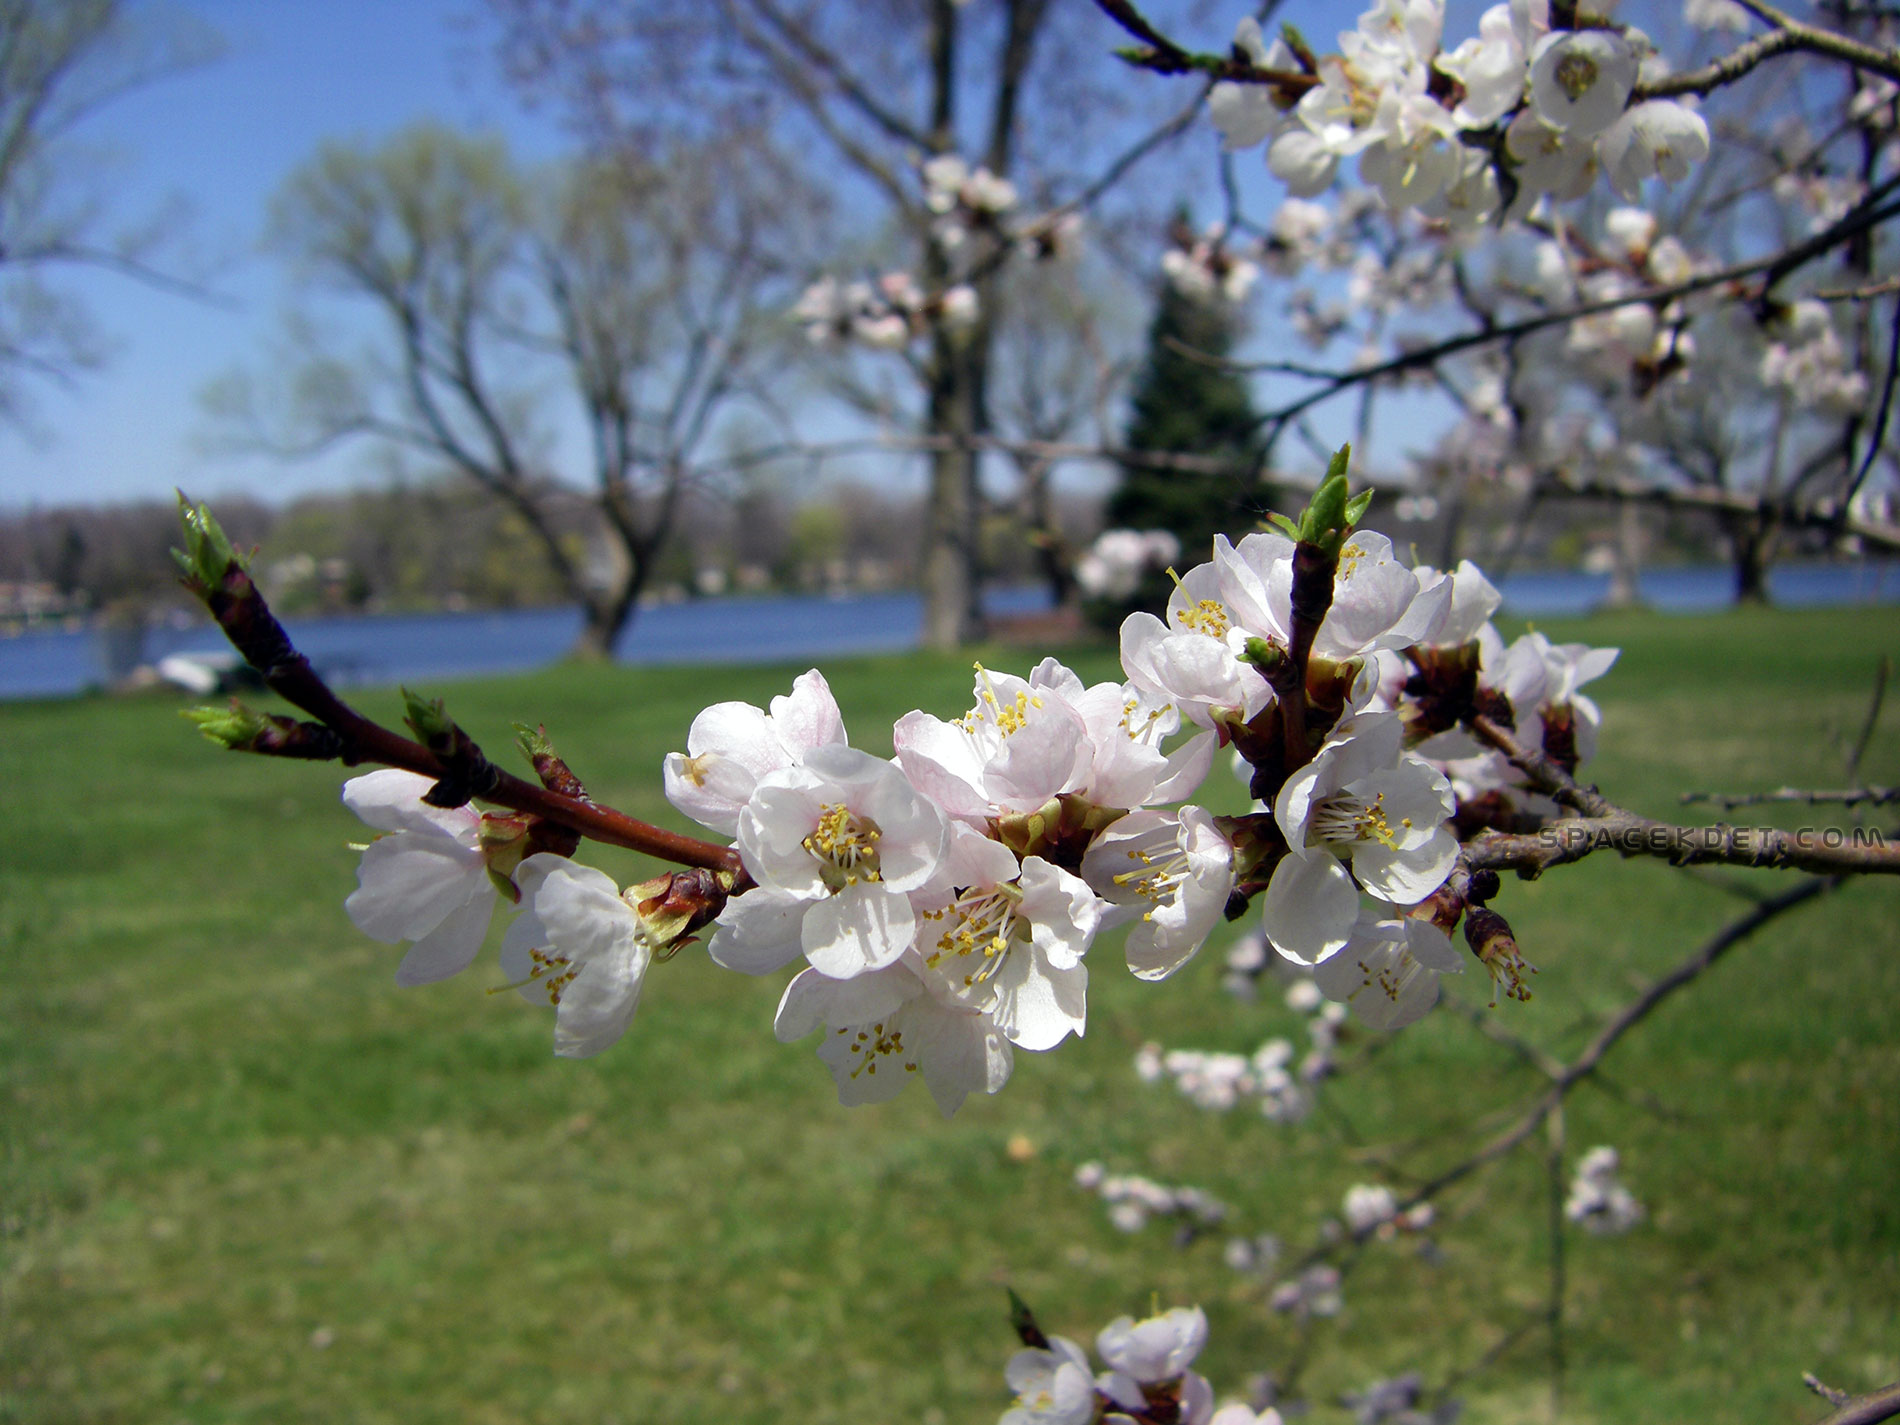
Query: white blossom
(580, 948)
(1655, 139)
(883, 1026)
(425, 880)
(1581, 79)
(1053, 1386)
(1171, 869)
(1597, 1200)
(730, 746)
(835, 844)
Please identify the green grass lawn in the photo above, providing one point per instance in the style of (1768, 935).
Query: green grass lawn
(247, 1179)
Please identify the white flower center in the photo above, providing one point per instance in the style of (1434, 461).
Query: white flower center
(1575, 74)
(1390, 978)
(990, 710)
(1208, 616)
(1157, 880)
(1345, 817)
(873, 1043)
(981, 924)
(845, 847)
(554, 972)
(1142, 727)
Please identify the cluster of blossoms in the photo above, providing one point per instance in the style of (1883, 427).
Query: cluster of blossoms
(1218, 1081)
(885, 314)
(1204, 269)
(1146, 1378)
(1597, 1200)
(1519, 107)
(1803, 356)
(1314, 1292)
(939, 905)
(1133, 1200)
(1114, 566)
(963, 198)
(965, 204)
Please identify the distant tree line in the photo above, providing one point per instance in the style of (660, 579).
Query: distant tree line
(449, 544)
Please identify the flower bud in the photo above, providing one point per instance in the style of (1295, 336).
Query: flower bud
(1490, 938)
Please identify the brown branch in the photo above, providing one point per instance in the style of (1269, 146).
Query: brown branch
(246, 620)
(1602, 824)
(1868, 214)
(1824, 515)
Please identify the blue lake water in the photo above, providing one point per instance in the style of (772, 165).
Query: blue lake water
(382, 649)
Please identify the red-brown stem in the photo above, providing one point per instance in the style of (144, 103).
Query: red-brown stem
(254, 631)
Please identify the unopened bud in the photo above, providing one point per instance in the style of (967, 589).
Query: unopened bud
(555, 774)
(207, 557)
(243, 729)
(673, 905)
(1264, 655)
(1490, 938)
(428, 717)
(1023, 1321)
(236, 727)
(1331, 513)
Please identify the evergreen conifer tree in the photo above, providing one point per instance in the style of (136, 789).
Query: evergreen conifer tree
(1188, 407)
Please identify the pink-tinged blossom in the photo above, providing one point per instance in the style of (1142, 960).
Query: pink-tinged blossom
(730, 746)
(1021, 744)
(884, 1026)
(1388, 970)
(579, 948)
(1028, 740)
(1473, 600)
(835, 843)
(1168, 872)
(1377, 602)
(425, 880)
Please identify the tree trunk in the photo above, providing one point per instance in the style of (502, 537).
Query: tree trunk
(605, 613)
(1750, 545)
(1053, 557)
(1626, 559)
(953, 612)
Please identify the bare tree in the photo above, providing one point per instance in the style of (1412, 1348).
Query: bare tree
(872, 90)
(61, 61)
(635, 285)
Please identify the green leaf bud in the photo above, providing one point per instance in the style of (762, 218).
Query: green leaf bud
(427, 716)
(235, 727)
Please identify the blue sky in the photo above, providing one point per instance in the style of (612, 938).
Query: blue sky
(222, 138)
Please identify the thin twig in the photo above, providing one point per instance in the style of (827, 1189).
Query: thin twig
(1632, 1014)
(1868, 1409)
(1602, 824)
(1870, 796)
